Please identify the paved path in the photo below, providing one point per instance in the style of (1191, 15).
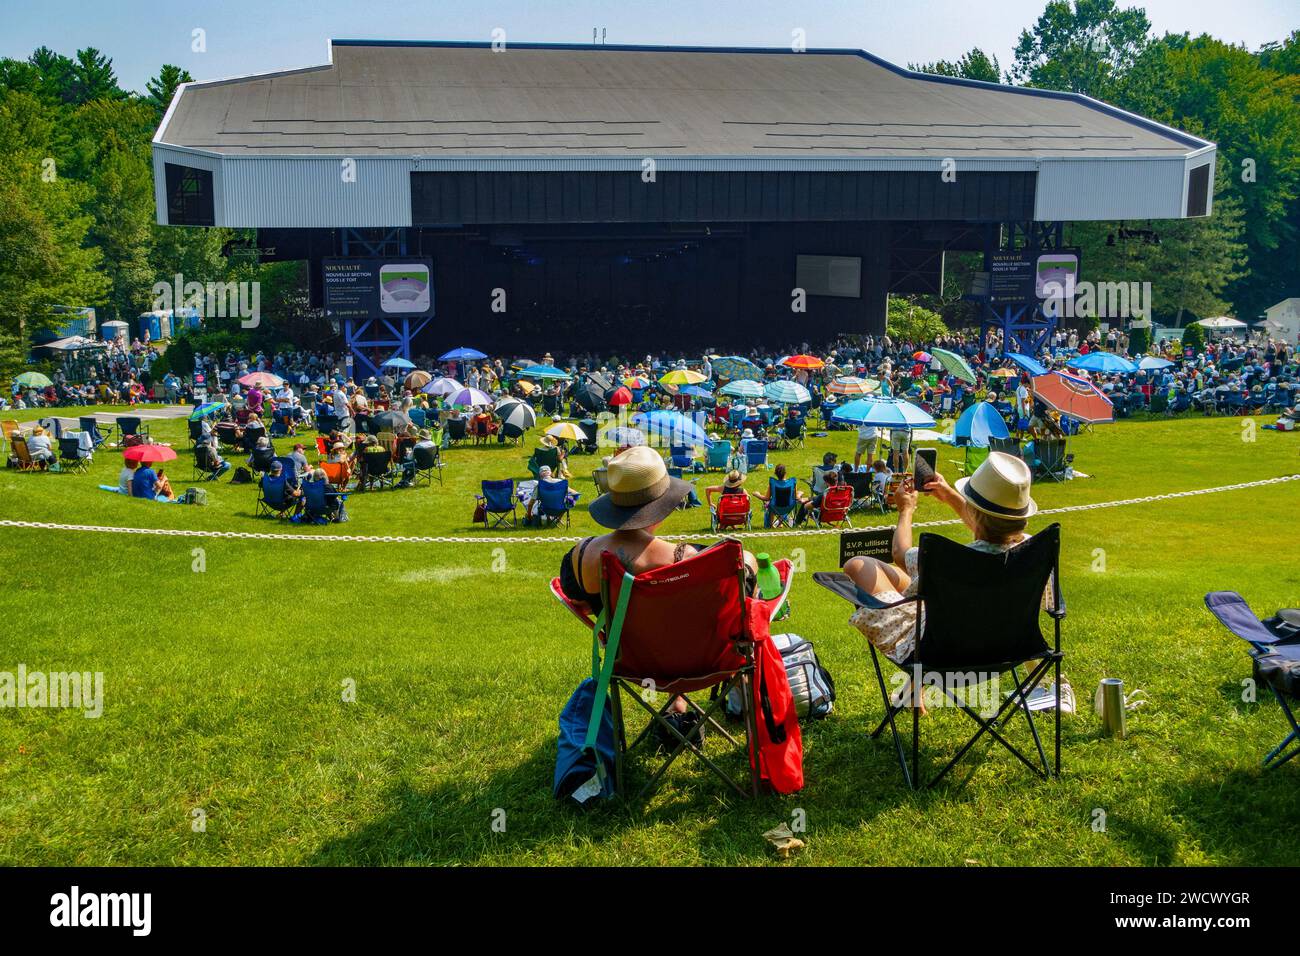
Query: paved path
(109, 418)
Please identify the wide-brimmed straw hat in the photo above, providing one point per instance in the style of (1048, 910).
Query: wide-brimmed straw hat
(641, 492)
(548, 441)
(1000, 487)
(734, 479)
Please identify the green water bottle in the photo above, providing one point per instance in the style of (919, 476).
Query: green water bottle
(769, 583)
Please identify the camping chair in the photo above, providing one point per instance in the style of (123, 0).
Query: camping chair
(973, 458)
(673, 631)
(791, 434)
(377, 468)
(289, 468)
(834, 510)
(10, 427)
(553, 502)
(682, 456)
(755, 452)
(977, 618)
(1052, 460)
(195, 431)
(416, 416)
(550, 457)
(1275, 650)
(319, 503)
(1008, 446)
(24, 455)
(718, 457)
(204, 467)
(864, 492)
(457, 430)
(428, 464)
(337, 473)
(817, 483)
(498, 503)
(783, 503)
(322, 446)
(600, 478)
(260, 460)
(71, 457)
(274, 498)
(90, 425)
(731, 511)
(128, 425)
(735, 418)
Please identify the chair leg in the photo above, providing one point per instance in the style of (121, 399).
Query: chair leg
(890, 712)
(1274, 758)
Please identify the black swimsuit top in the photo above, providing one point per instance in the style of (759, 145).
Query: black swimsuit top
(569, 582)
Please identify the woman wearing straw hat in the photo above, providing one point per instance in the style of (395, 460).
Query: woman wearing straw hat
(994, 503)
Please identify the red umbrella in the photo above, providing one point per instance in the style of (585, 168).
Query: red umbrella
(802, 361)
(1074, 397)
(620, 396)
(144, 453)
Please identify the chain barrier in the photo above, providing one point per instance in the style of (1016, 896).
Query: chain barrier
(539, 539)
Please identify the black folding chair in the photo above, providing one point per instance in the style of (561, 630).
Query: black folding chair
(978, 618)
(428, 464)
(127, 426)
(1275, 650)
(1051, 458)
(1008, 446)
(378, 468)
(70, 455)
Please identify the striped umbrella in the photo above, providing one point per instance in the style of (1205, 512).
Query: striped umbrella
(469, 396)
(787, 393)
(543, 371)
(33, 380)
(417, 380)
(515, 412)
(742, 388)
(206, 409)
(955, 364)
(802, 361)
(852, 385)
(1074, 397)
(883, 413)
(442, 386)
(737, 369)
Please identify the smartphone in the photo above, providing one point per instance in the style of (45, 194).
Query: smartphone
(925, 467)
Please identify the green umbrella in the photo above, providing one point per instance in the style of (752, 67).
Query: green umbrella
(955, 364)
(33, 380)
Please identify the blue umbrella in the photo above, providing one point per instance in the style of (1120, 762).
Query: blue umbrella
(672, 428)
(1108, 363)
(1029, 365)
(1151, 363)
(206, 409)
(787, 393)
(695, 390)
(737, 369)
(543, 371)
(979, 423)
(742, 388)
(883, 413)
(398, 363)
(462, 354)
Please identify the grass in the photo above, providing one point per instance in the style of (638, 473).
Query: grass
(224, 689)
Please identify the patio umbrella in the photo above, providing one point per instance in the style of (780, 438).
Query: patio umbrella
(149, 453)
(261, 380)
(417, 380)
(802, 361)
(567, 430)
(682, 376)
(1004, 373)
(206, 409)
(955, 364)
(33, 380)
(469, 396)
(883, 413)
(697, 391)
(620, 396)
(543, 371)
(398, 362)
(922, 356)
(516, 416)
(389, 421)
(1153, 363)
(600, 381)
(742, 388)
(979, 423)
(636, 381)
(522, 363)
(622, 436)
(672, 428)
(1028, 364)
(852, 385)
(737, 369)
(461, 355)
(1074, 397)
(787, 393)
(442, 386)
(1221, 322)
(1108, 363)
(590, 396)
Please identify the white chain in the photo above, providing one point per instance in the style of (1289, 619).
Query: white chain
(539, 539)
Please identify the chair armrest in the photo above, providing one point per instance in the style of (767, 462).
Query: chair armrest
(1059, 613)
(874, 604)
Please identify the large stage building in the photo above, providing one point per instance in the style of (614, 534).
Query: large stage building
(620, 197)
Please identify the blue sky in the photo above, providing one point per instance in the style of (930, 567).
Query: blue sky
(252, 36)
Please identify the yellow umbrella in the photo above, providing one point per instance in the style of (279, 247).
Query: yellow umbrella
(682, 376)
(567, 430)
(1004, 373)
(526, 387)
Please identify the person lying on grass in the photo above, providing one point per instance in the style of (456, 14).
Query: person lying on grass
(994, 503)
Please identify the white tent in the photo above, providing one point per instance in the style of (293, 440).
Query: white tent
(1221, 322)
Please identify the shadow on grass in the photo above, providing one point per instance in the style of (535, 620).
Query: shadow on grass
(1244, 817)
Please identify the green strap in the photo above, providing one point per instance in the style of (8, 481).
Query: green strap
(603, 673)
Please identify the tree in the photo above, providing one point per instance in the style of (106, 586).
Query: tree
(975, 65)
(1139, 340)
(1194, 338)
(54, 73)
(93, 78)
(162, 87)
(909, 322)
(1086, 48)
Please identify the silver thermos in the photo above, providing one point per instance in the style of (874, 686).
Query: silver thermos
(1110, 706)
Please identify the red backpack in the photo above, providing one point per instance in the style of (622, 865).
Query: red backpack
(779, 747)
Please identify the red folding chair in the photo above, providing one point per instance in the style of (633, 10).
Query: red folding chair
(653, 647)
(732, 511)
(836, 502)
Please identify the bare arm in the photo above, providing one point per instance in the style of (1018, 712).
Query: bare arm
(942, 491)
(905, 497)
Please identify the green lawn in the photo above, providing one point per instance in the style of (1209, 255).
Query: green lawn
(223, 689)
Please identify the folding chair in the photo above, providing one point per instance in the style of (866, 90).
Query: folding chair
(274, 498)
(498, 503)
(1008, 446)
(718, 457)
(319, 504)
(755, 452)
(974, 457)
(428, 464)
(90, 425)
(834, 511)
(205, 468)
(553, 502)
(864, 492)
(377, 468)
(731, 511)
(10, 427)
(128, 425)
(550, 457)
(977, 618)
(457, 430)
(1275, 651)
(71, 457)
(791, 434)
(674, 631)
(1052, 460)
(24, 456)
(782, 504)
(337, 473)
